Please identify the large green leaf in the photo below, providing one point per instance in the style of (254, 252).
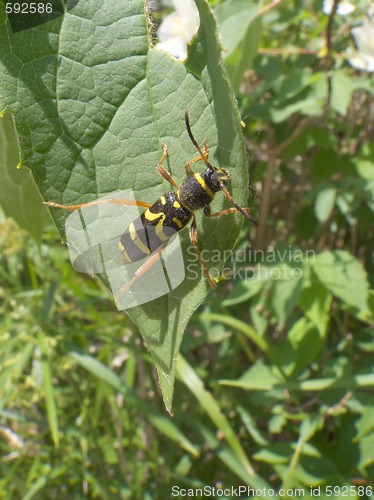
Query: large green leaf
(344, 276)
(92, 102)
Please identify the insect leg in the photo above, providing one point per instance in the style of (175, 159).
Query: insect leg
(193, 238)
(231, 210)
(162, 171)
(187, 167)
(142, 270)
(113, 201)
(233, 202)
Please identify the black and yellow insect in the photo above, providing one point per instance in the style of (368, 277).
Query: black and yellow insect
(149, 234)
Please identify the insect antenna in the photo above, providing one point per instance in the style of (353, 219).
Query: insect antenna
(193, 140)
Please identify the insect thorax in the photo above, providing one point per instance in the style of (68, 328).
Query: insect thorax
(197, 191)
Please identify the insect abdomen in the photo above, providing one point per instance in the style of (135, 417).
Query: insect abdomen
(155, 226)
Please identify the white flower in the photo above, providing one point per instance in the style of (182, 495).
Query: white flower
(363, 57)
(177, 29)
(344, 7)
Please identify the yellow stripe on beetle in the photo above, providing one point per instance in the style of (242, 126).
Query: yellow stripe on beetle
(203, 184)
(124, 253)
(177, 222)
(137, 241)
(152, 216)
(159, 231)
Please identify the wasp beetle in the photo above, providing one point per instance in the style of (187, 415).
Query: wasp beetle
(149, 234)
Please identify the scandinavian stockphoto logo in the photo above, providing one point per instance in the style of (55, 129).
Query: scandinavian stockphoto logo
(247, 264)
(24, 15)
(93, 234)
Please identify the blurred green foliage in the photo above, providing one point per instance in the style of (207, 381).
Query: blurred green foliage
(280, 358)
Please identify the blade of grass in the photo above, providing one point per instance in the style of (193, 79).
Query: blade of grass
(163, 424)
(290, 474)
(188, 375)
(363, 380)
(48, 389)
